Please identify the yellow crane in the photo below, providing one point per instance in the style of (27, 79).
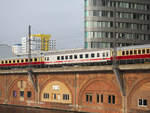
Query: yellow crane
(45, 39)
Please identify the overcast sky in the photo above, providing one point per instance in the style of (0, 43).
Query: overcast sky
(63, 19)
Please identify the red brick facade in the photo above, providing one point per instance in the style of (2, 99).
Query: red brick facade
(89, 91)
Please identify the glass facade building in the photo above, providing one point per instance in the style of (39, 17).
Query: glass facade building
(126, 21)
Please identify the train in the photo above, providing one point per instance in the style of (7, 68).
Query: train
(125, 55)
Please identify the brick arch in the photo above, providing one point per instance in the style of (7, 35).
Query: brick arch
(43, 85)
(136, 86)
(108, 83)
(11, 85)
(14, 83)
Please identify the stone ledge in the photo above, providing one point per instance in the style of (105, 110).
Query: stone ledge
(79, 69)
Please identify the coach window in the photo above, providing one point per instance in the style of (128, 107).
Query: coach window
(22, 60)
(86, 55)
(143, 51)
(127, 52)
(35, 59)
(81, 56)
(26, 60)
(148, 51)
(75, 57)
(2, 62)
(9, 61)
(103, 54)
(47, 58)
(6, 61)
(66, 57)
(131, 52)
(70, 56)
(62, 57)
(135, 52)
(106, 54)
(139, 51)
(13, 61)
(123, 52)
(98, 55)
(58, 57)
(92, 55)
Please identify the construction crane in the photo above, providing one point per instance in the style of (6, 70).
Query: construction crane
(45, 39)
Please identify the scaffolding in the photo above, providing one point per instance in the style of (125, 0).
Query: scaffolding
(45, 41)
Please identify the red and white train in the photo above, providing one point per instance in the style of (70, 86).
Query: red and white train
(125, 55)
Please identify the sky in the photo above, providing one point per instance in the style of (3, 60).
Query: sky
(63, 19)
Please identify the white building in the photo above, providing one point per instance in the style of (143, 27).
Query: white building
(35, 44)
(17, 49)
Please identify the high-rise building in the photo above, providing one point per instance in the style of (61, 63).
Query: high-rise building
(126, 21)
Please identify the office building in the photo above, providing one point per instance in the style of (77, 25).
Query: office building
(125, 21)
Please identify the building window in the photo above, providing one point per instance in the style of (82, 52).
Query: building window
(142, 102)
(86, 2)
(111, 99)
(46, 95)
(22, 93)
(29, 94)
(100, 98)
(88, 97)
(54, 96)
(58, 96)
(65, 96)
(14, 93)
(97, 98)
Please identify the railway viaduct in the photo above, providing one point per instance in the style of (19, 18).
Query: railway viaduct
(79, 88)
